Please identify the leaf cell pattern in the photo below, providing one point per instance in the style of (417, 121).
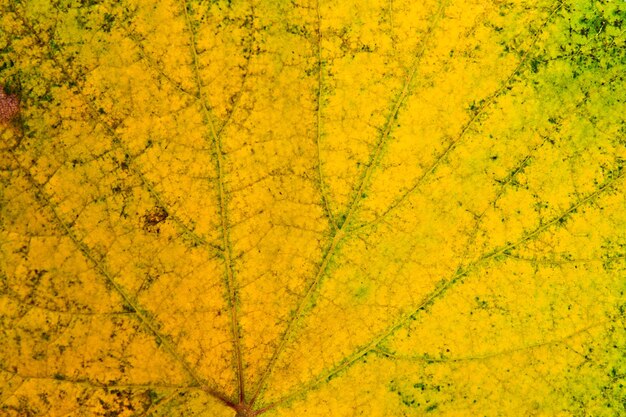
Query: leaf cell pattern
(381, 208)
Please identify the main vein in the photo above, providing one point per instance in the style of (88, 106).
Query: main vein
(101, 267)
(437, 293)
(226, 245)
(339, 232)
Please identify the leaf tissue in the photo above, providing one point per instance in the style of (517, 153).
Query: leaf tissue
(312, 208)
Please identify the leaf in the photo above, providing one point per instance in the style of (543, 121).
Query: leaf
(394, 208)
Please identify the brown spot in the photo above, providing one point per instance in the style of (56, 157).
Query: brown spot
(153, 217)
(9, 106)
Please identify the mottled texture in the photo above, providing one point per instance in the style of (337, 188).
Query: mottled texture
(313, 208)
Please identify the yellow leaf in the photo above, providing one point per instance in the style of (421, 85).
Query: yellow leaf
(377, 208)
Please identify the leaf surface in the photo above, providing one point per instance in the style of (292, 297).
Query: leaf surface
(381, 208)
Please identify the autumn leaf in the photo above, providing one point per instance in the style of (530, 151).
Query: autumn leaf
(286, 208)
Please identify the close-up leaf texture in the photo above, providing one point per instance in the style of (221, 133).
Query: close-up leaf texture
(312, 208)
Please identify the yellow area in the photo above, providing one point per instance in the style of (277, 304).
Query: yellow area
(377, 208)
